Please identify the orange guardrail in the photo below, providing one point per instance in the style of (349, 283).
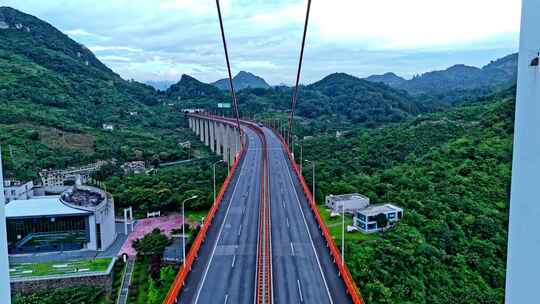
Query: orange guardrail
(180, 279)
(352, 289)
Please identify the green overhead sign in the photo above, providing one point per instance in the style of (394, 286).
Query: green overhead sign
(226, 105)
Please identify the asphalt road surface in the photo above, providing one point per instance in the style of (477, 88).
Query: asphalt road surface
(226, 267)
(303, 271)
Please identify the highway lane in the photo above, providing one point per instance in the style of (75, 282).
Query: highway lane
(303, 271)
(225, 270)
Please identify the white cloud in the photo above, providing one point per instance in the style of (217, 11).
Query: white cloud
(395, 24)
(114, 58)
(103, 48)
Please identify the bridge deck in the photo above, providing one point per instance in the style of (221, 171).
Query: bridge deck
(303, 268)
(225, 270)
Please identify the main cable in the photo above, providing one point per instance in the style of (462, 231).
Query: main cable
(233, 94)
(290, 136)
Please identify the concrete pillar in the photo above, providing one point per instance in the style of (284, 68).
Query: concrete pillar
(219, 138)
(231, 136)
(212, 136)
(225, 136)
(190, 123)
(5, 289)
(207, 132)
(523, 264)
(201, 129)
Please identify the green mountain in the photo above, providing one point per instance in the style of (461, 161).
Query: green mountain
(457, 82)
(55, 95)
(450, 171)
(359, 100)
(191, 88)
(242, 80)
(390, 79)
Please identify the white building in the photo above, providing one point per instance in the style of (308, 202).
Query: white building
(16, 190)
(108, 127)
(349, 202)
(51, 178)
(135, 167)
(365, 219)
(81, 218)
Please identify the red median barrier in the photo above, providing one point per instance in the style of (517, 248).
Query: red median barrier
(352, 289)
(180, 279)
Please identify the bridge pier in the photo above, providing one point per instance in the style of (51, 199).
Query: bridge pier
(212, 136)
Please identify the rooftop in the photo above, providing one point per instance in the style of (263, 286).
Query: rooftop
(379, 208)
(40, 206)
(344, 197)
(83, 196)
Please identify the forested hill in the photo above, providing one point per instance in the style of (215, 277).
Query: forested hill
(55, 95)
(337, 97)
(451, 173)
(362, 101)
(41, 66)
(242, 80)
(458, 81)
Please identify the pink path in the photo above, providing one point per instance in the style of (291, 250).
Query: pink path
(144, 226)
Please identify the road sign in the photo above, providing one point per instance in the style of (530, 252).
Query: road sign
(224, 105)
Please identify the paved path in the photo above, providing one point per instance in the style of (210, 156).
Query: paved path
(124, 288)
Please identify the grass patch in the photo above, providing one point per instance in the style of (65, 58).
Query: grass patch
(196, 215)
(334, 227)
(59, 268)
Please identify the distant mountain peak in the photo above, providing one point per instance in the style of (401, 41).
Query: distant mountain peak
(190, 87)
(241, 81)
(389, 78)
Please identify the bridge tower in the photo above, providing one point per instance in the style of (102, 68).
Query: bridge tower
(523, 261)
(5, 289)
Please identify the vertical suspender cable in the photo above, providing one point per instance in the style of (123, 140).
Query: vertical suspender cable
(233, 94)
(290, 136)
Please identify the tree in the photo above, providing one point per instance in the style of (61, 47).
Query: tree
(153, 243)
(381, 220)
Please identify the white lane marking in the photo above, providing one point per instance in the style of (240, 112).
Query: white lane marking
(219, 233)
(288, 225)
(240, 230)
(283, 204)
(300, 291)
(226, 298)
(292, 248)
(233, 261)
(307, 229)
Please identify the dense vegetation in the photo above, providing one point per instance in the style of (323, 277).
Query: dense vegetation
(70, 295)
(55, 96)
(451, 173)
(167, 189)
(457, 82)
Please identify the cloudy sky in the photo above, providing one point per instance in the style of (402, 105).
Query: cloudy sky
(162, 39)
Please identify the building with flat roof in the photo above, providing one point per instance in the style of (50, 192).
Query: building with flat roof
(16, 190)
(366, 219)
(82, 217)
(349, 202)
(52, 178)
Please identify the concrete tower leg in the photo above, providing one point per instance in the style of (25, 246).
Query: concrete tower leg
(5, 288)
(523, 264)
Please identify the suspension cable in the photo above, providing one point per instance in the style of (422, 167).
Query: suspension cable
(233, 94)
(295, 93)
